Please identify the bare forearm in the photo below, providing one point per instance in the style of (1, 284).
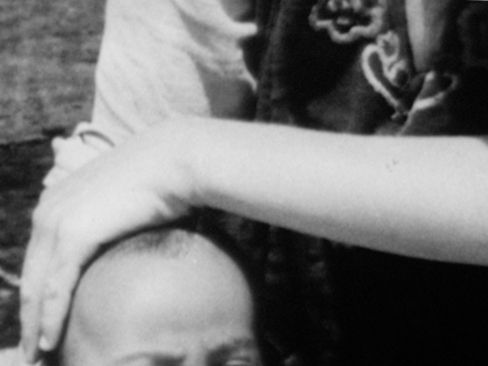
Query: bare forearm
(423, 197)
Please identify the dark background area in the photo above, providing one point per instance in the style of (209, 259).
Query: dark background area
(48, 52)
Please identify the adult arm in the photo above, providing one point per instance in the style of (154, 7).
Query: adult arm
(159, 61)
(367, 204)
(421, 197)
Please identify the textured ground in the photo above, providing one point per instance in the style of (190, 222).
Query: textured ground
(48, 51)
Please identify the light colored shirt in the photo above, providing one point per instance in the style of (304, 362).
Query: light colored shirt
(161, 59)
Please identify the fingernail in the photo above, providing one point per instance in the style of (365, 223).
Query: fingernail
(44, 344)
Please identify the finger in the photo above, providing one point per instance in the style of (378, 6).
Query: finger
(35, 265)
(62, 278)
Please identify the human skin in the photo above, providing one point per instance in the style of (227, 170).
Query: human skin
(408, 196)
(418, 196)
(148, 307)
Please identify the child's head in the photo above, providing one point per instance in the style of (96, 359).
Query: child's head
(162, 298)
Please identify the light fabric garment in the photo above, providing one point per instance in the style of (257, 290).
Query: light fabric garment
(9, 357)
(161, 59)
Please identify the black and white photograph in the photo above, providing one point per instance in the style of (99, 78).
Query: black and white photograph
(243, 182)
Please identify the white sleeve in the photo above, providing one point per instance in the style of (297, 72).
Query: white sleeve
(161, 59)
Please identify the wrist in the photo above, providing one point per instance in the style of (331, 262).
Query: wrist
(200, 154)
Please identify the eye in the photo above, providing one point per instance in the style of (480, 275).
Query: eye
(235, 353)
(237, 358)
(240, 361)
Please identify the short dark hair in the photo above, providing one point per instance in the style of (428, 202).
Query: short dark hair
(171, 243)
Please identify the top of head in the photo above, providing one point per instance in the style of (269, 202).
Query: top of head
(161, 292)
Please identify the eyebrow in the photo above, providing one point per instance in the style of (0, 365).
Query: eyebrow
(216, 355)
(221, 353)
(159, 358)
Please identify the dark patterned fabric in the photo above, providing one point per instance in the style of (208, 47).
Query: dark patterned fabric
(347, 66)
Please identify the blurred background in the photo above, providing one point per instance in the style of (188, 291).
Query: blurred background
(48, 52)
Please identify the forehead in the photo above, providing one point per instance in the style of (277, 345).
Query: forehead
(202, 331)
(197, 291)
(142, 309)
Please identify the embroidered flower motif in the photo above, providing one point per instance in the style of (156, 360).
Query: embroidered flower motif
(431, 112)
(473, 25)
(347, 21)
(435, 90)
(386, 69)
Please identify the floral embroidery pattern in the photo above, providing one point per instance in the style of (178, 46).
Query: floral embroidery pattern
(431, 112)
(347, 21)
(386, 68)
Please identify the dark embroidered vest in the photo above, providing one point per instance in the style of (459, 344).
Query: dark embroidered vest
(346, 66)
